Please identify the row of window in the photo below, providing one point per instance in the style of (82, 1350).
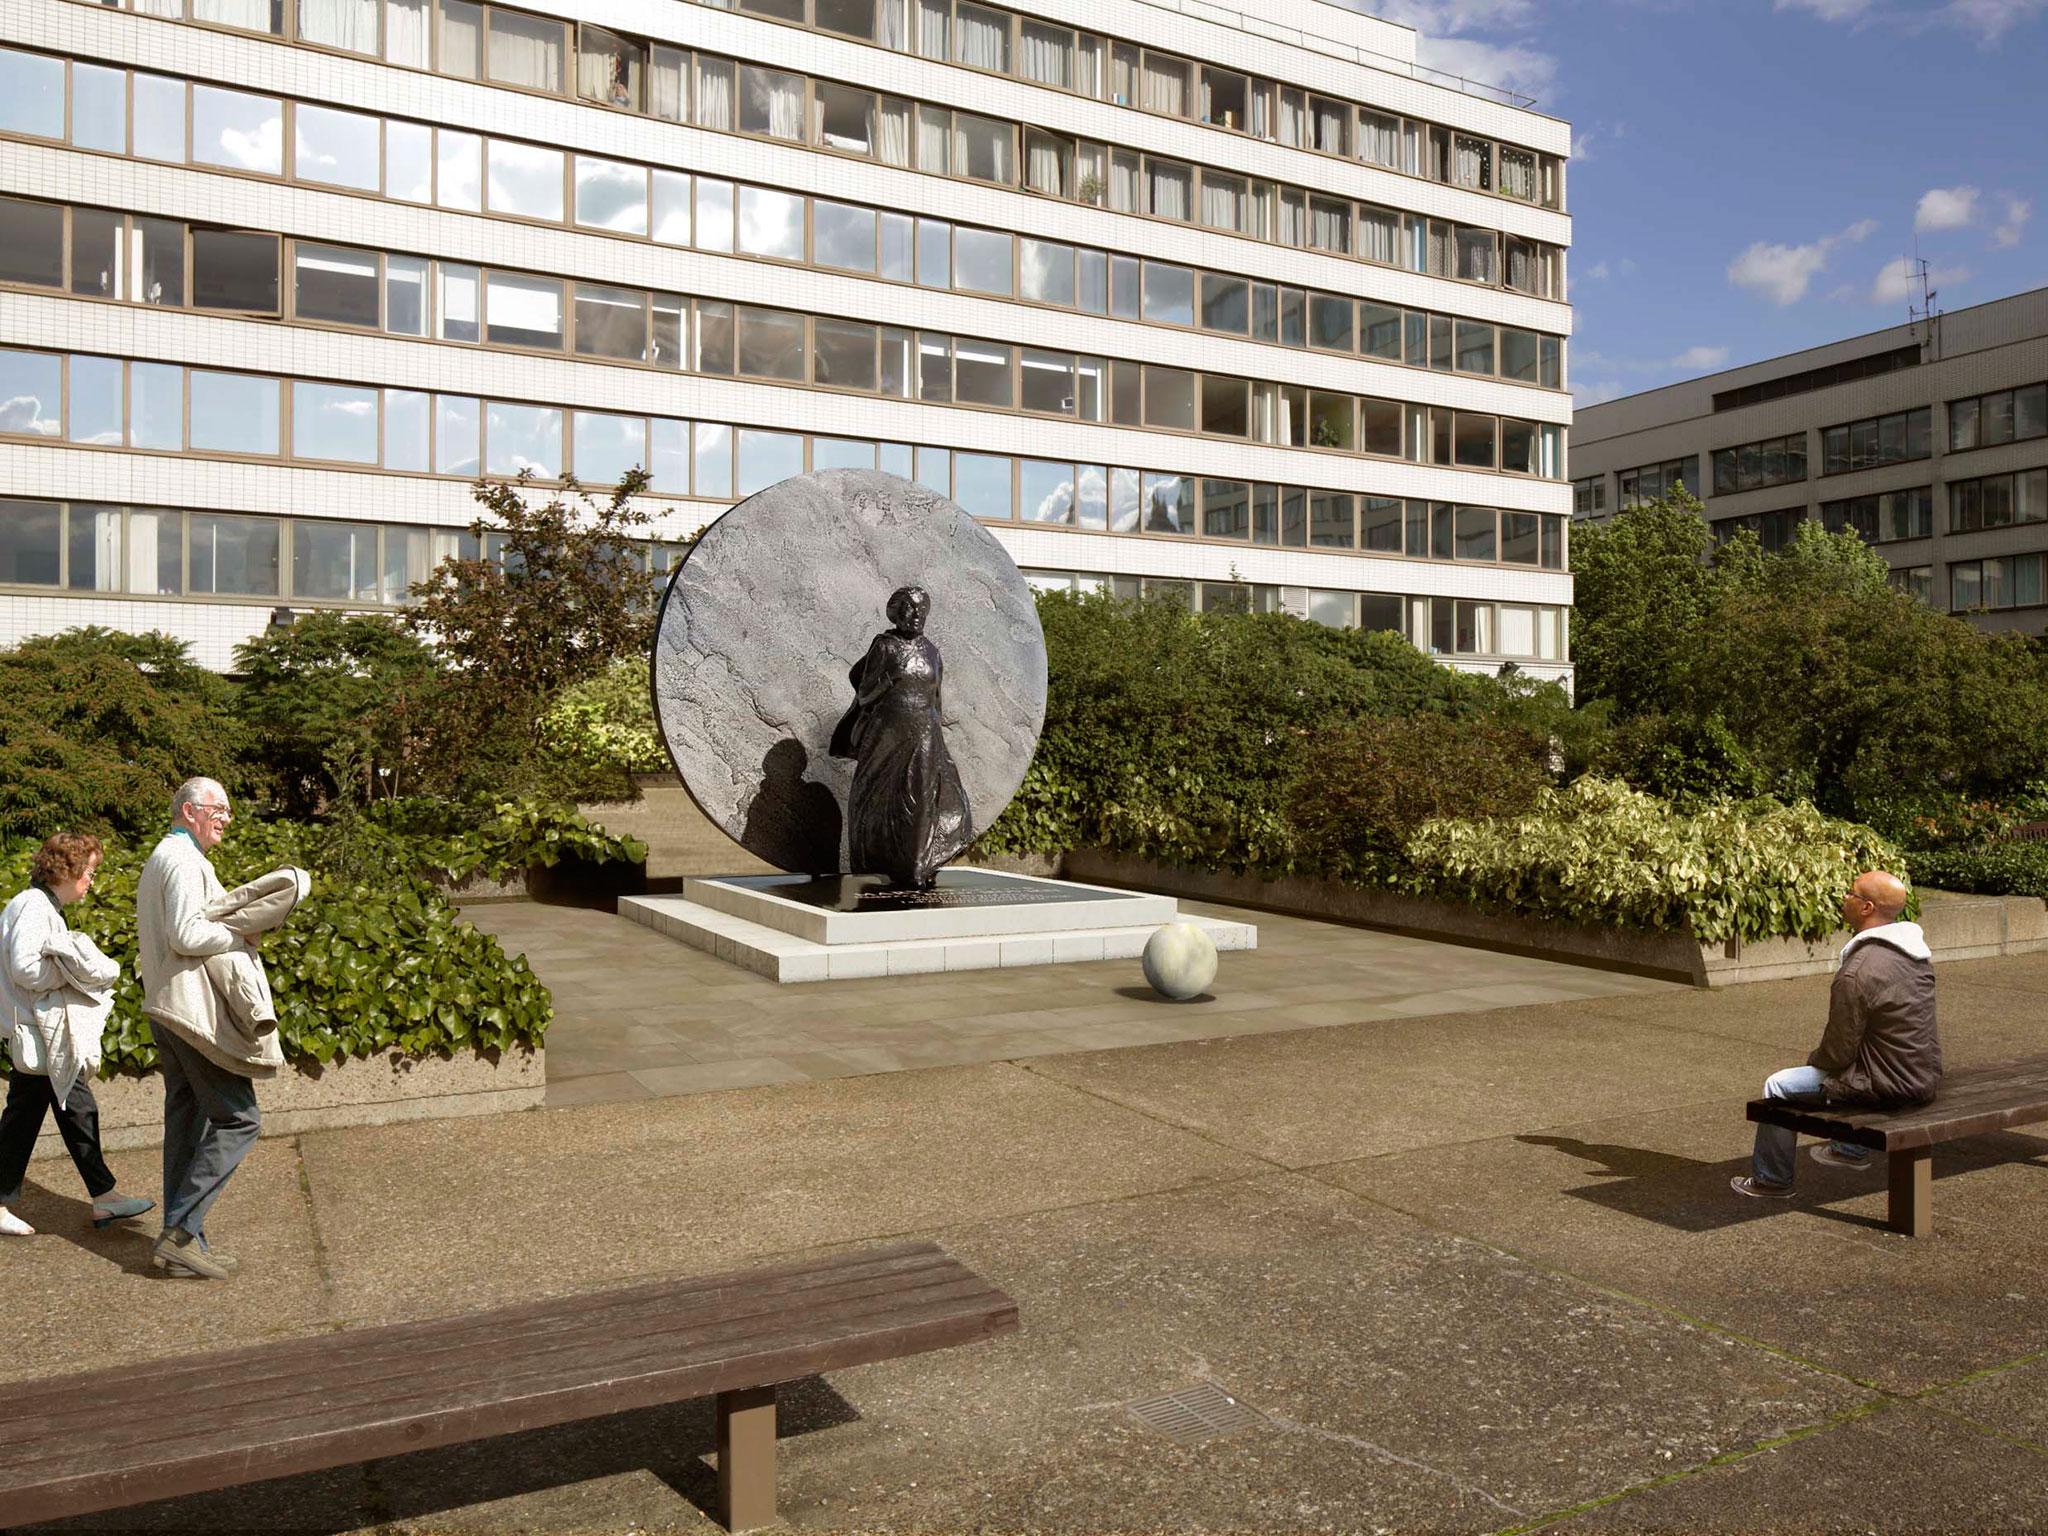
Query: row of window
(1998, 501)
(2003, 416)
(1752, 466)
(238, 130)
(2005, 581)
(1884, 518)
(1894, 439)
(1589, 495)
(108, 402)
(1995, 501)
(772, 345)
(1652, 482)
(509, 47)
(145, 260)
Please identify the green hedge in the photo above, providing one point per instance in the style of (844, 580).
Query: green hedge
(493, 838)
(1600, 853)
(361, 967)
(1993, 869)
(607, 723)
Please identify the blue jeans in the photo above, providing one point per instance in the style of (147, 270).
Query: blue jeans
(1777, 1148)
(210, 1122)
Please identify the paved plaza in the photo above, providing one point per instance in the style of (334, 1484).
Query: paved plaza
(1455, 1228)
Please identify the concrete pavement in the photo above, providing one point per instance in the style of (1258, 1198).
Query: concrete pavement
(1477, 1271)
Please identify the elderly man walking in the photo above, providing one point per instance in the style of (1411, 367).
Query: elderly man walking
(210, 1115)
(1880, 1050)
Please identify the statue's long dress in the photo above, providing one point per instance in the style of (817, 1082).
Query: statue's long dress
(907, 812)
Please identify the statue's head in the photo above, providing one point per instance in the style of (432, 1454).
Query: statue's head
(908, 607)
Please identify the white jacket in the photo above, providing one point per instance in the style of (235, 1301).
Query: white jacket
(174, 937)
(238, 975)
(57, 988)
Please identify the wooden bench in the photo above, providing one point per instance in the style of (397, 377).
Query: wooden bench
(1972, 1102)
(112, 1438)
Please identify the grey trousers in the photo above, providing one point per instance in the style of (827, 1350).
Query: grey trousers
(210, 1122)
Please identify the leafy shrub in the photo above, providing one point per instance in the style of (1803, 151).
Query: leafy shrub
(1987, 869)
(1600, 853)
(602, 731)
(1364, 791)
(97, 728)
(359, 968)
(1179, 736)
(491, 838)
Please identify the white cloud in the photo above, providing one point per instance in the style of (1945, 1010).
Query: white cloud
(1500, 61)
(1512, 67)
(1945, 208)
(1599, 272)
(1828, 10)
(1898, 282)
(1700, 359)
(2017, 211)
(1991, 19)
(1783, 273)
(1584, 395)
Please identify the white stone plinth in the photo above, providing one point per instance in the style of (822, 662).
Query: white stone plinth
(1071, 907)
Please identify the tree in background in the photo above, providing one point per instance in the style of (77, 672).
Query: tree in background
(562, 593)
(337, 705)
(97, 728)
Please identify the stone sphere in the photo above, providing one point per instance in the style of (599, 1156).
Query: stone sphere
(1180, 961)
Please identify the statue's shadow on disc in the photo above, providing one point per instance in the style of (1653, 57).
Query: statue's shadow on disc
(793, 822)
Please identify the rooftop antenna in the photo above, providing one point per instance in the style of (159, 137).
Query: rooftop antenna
(1926, 318)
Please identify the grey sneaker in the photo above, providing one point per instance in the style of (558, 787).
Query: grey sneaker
(1827, 1153)
(1743, 1184)
(114, 1206)
(187, 1257)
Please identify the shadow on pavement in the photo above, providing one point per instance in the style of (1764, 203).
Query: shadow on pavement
(674, 1443)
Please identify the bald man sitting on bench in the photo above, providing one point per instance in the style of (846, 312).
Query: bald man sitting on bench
(1880, 1050)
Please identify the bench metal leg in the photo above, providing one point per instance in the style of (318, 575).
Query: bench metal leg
(746, 1458)
(1912, 1191)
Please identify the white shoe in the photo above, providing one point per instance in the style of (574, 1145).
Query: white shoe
(13, 1226)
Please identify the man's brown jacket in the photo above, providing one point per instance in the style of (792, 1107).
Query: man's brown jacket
(1881, 1047)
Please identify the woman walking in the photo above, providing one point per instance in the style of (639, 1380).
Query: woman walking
(37, 955)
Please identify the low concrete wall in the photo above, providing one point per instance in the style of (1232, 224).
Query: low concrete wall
(1958, 927)
(375, 1091)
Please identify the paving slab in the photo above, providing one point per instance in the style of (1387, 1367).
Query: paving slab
(453, 1215)
(1900, 1470)
(2013, 1400)
(1325, 1096)
(1641, 1203)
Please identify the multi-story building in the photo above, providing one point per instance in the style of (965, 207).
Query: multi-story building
(1253, 312)
(1928, 439)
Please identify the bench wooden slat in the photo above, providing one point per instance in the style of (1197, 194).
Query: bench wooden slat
(394, 1395)
(1972, 1102)
(592, 1363)
(531, 1329)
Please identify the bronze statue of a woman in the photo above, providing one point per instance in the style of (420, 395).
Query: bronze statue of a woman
(907, 812)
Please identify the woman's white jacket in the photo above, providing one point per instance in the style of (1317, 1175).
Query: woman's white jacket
(56, 991)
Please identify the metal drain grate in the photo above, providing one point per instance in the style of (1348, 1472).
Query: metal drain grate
(1201, 1412)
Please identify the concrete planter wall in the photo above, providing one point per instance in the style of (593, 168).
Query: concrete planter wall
(1958, 927)
(375, 1091)
(568, 882)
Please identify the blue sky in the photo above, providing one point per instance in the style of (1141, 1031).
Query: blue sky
(1753, 176)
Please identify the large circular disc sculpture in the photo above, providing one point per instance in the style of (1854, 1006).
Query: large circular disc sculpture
(773, 608)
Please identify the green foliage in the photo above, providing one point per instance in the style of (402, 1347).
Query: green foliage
(491, 838)
(601, 731)
(1179, 736)
(1988, 869)
(1800, 673)
(566, 596)
(1365, 791)
(97, 728)
(334, 706)
(1599, 853)
(360, 968)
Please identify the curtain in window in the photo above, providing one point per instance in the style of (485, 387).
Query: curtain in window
(405, 32)
(1257, 213)
(1469, 165)
(1379, 234)
(1088, 166)
(175, 10)
(665, 84)
(892, 132)
(252, 14)
(1522, 273)
(1168, 186)
(1220, 198)
(714, 93)
(1088, 66)
(1261, 124)
(350, 24)
(1379, 139)
(1123, 73)
(1293, 116)
(1265, 413)
(933, 127)
(1518, 173)
(593, 63)
(526, 51)
(1476, 255)
(1045, 165)
(1329, 226)
(1045, 54)
(1123, 182)
(1293, 219)
(896, 25)
(1438, 260)
(979, 37)
(1166, 86)
(931, 28)
(1329, 126)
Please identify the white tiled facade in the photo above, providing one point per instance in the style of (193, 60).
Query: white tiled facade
(1306, 43)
